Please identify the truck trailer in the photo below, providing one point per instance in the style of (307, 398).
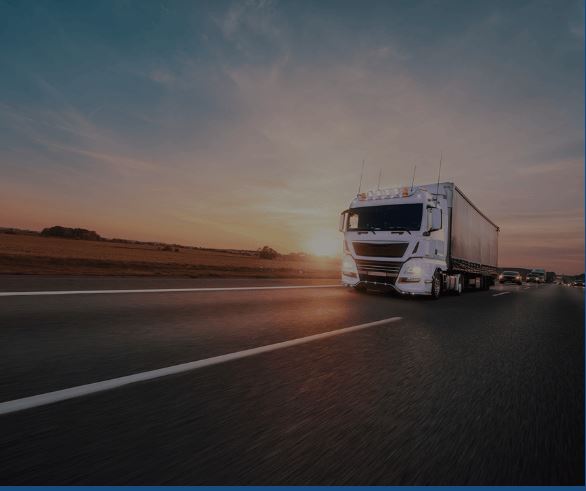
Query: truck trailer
(423, 240)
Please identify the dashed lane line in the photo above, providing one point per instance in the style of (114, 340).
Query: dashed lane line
(499, 294)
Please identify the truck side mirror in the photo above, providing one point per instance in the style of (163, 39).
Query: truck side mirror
(434, 221)
(342, 224)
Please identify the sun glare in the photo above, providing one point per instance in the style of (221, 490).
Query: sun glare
(324, 244)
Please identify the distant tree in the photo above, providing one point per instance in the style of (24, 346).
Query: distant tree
(169, 248)
(70, 233)
(268, 253)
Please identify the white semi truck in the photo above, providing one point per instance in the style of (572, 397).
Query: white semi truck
(423, 240)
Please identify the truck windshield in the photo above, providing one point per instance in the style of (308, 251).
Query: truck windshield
(386, 217)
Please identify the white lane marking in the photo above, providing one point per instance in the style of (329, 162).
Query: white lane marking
(526, 287)
(502, 293)
(83, 390)
(162, 290)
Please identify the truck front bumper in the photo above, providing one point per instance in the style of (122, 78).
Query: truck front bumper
(413, 277)
(412, 288)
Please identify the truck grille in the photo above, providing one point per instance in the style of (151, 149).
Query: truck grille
(378, 271)
(394, 249)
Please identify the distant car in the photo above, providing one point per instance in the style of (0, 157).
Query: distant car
(511, 276)
(578, 283)
(534, 278)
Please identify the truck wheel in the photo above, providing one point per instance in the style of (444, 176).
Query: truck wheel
(436, 285)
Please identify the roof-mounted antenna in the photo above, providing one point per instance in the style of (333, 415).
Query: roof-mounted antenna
(380, 173)
(439, 172)
(413, 178)
(361, 173)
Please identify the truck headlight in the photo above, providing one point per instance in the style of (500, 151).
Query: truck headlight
(349, 267)
(411, 274)
(413, 271)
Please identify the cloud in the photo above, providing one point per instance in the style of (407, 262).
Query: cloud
(576, 24)
(161, 76)
(263, 125)
(66, 130)
(119, 162)
(252, 27)
(553, 167)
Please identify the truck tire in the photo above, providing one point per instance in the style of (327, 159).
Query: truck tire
(436, 285)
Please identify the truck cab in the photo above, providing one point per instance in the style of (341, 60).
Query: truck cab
(421, 240)
(395, 238)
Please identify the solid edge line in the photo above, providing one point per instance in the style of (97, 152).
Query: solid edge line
(163, 290)
(83, 390)
(501, 293)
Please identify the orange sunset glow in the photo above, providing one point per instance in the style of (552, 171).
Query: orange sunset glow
(237, 131)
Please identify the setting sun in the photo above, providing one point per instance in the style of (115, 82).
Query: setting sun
(324, 243)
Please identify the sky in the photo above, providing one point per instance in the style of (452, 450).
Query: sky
(237, 124)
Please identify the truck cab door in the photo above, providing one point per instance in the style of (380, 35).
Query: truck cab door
(434, 219)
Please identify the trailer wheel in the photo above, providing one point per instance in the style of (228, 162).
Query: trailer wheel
(436, 285)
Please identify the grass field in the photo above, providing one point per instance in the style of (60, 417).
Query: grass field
(24, 254)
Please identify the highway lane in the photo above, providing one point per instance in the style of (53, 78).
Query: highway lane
(478, 389)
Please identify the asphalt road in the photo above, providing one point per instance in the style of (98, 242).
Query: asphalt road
(485, 389)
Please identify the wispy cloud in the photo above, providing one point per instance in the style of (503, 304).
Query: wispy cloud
(66, 130)
(220, 120)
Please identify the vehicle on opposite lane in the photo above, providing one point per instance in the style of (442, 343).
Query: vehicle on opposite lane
(511, 277)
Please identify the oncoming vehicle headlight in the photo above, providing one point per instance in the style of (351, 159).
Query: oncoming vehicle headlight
(349, 267)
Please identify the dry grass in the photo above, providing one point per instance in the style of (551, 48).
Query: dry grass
(23, 254)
